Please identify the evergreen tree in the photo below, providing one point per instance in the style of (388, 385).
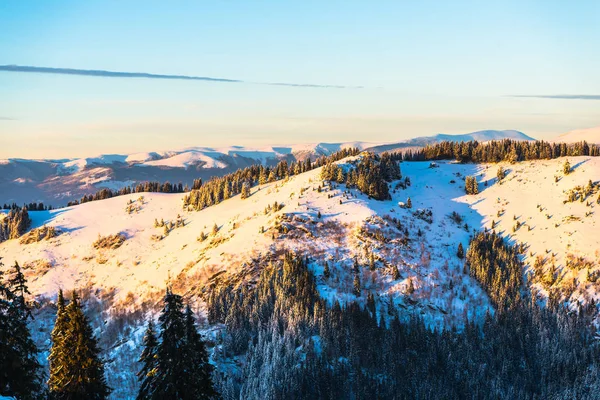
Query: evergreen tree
(197, 383)
(80, 369)
(460, 253)
(20, 372)
(566, 167)
(395, 273)
(501, 174)
(408, 203)
(149, 360)
(26, 382)
(245, 191)
(356, 284)
(411, 286)
(5, 303)
(170, 349)
(56, 358)
(326, 271)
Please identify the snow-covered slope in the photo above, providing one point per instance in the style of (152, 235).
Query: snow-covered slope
(590, 135)
(143, 264)
(128, 281)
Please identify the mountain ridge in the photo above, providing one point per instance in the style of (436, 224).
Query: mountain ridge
(58, 181)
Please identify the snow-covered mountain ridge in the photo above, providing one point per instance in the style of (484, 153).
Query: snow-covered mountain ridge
(57, 182)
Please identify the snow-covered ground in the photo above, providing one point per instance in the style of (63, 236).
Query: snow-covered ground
(143, 264)
(351, 227)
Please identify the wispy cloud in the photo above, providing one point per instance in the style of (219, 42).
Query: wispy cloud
(7, 119)
(119, 74)
(560, 96)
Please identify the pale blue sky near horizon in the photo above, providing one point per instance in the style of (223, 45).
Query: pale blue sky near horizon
(424, 67)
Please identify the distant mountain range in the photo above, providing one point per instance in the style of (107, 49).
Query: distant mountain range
(58, 181)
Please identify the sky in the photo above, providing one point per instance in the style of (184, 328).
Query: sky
(354, 70)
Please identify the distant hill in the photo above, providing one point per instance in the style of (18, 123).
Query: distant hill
(57, 182)
(590, 135)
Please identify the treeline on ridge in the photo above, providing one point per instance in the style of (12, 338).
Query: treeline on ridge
(218, 189)
(499, 150)
(142, 187)
(370, 174)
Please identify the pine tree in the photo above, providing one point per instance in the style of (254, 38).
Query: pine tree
(5, 303)
(170, 349)
(340, 176)
(408, 203)
(326, 271)
(20, 372)
(411, 287)
(566, 167)
(500, 174)
(81, 370)
(25, 378)
(215, 229)
(357, 289)
(245, 191)
(56, 358)
(460, 253)
(197, 383)
(395, 273)
(149, 360)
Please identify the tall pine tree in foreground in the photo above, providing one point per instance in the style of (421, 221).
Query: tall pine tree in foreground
(56, 359)
(198, 384)
(20, 372)
(77, 371)
(181, 371)
(170, 349)
(149, 360)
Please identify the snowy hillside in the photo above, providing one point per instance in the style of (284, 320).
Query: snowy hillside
(142, 264)
(126, 273)
(590, 135)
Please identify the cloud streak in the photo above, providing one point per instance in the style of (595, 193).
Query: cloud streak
(560, 96)
(145, 75)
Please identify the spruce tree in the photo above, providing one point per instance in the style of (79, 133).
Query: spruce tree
(56, 359)
(566, 167)
(460, 253)
(24, 371)
(170, 349)
(5, 302)
(326, 271)
(245, 191)
(149, 360)
(81, 370)
(357, 289)
(500, 174)
(197, 383)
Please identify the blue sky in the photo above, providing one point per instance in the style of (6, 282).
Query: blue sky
(424, 67)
